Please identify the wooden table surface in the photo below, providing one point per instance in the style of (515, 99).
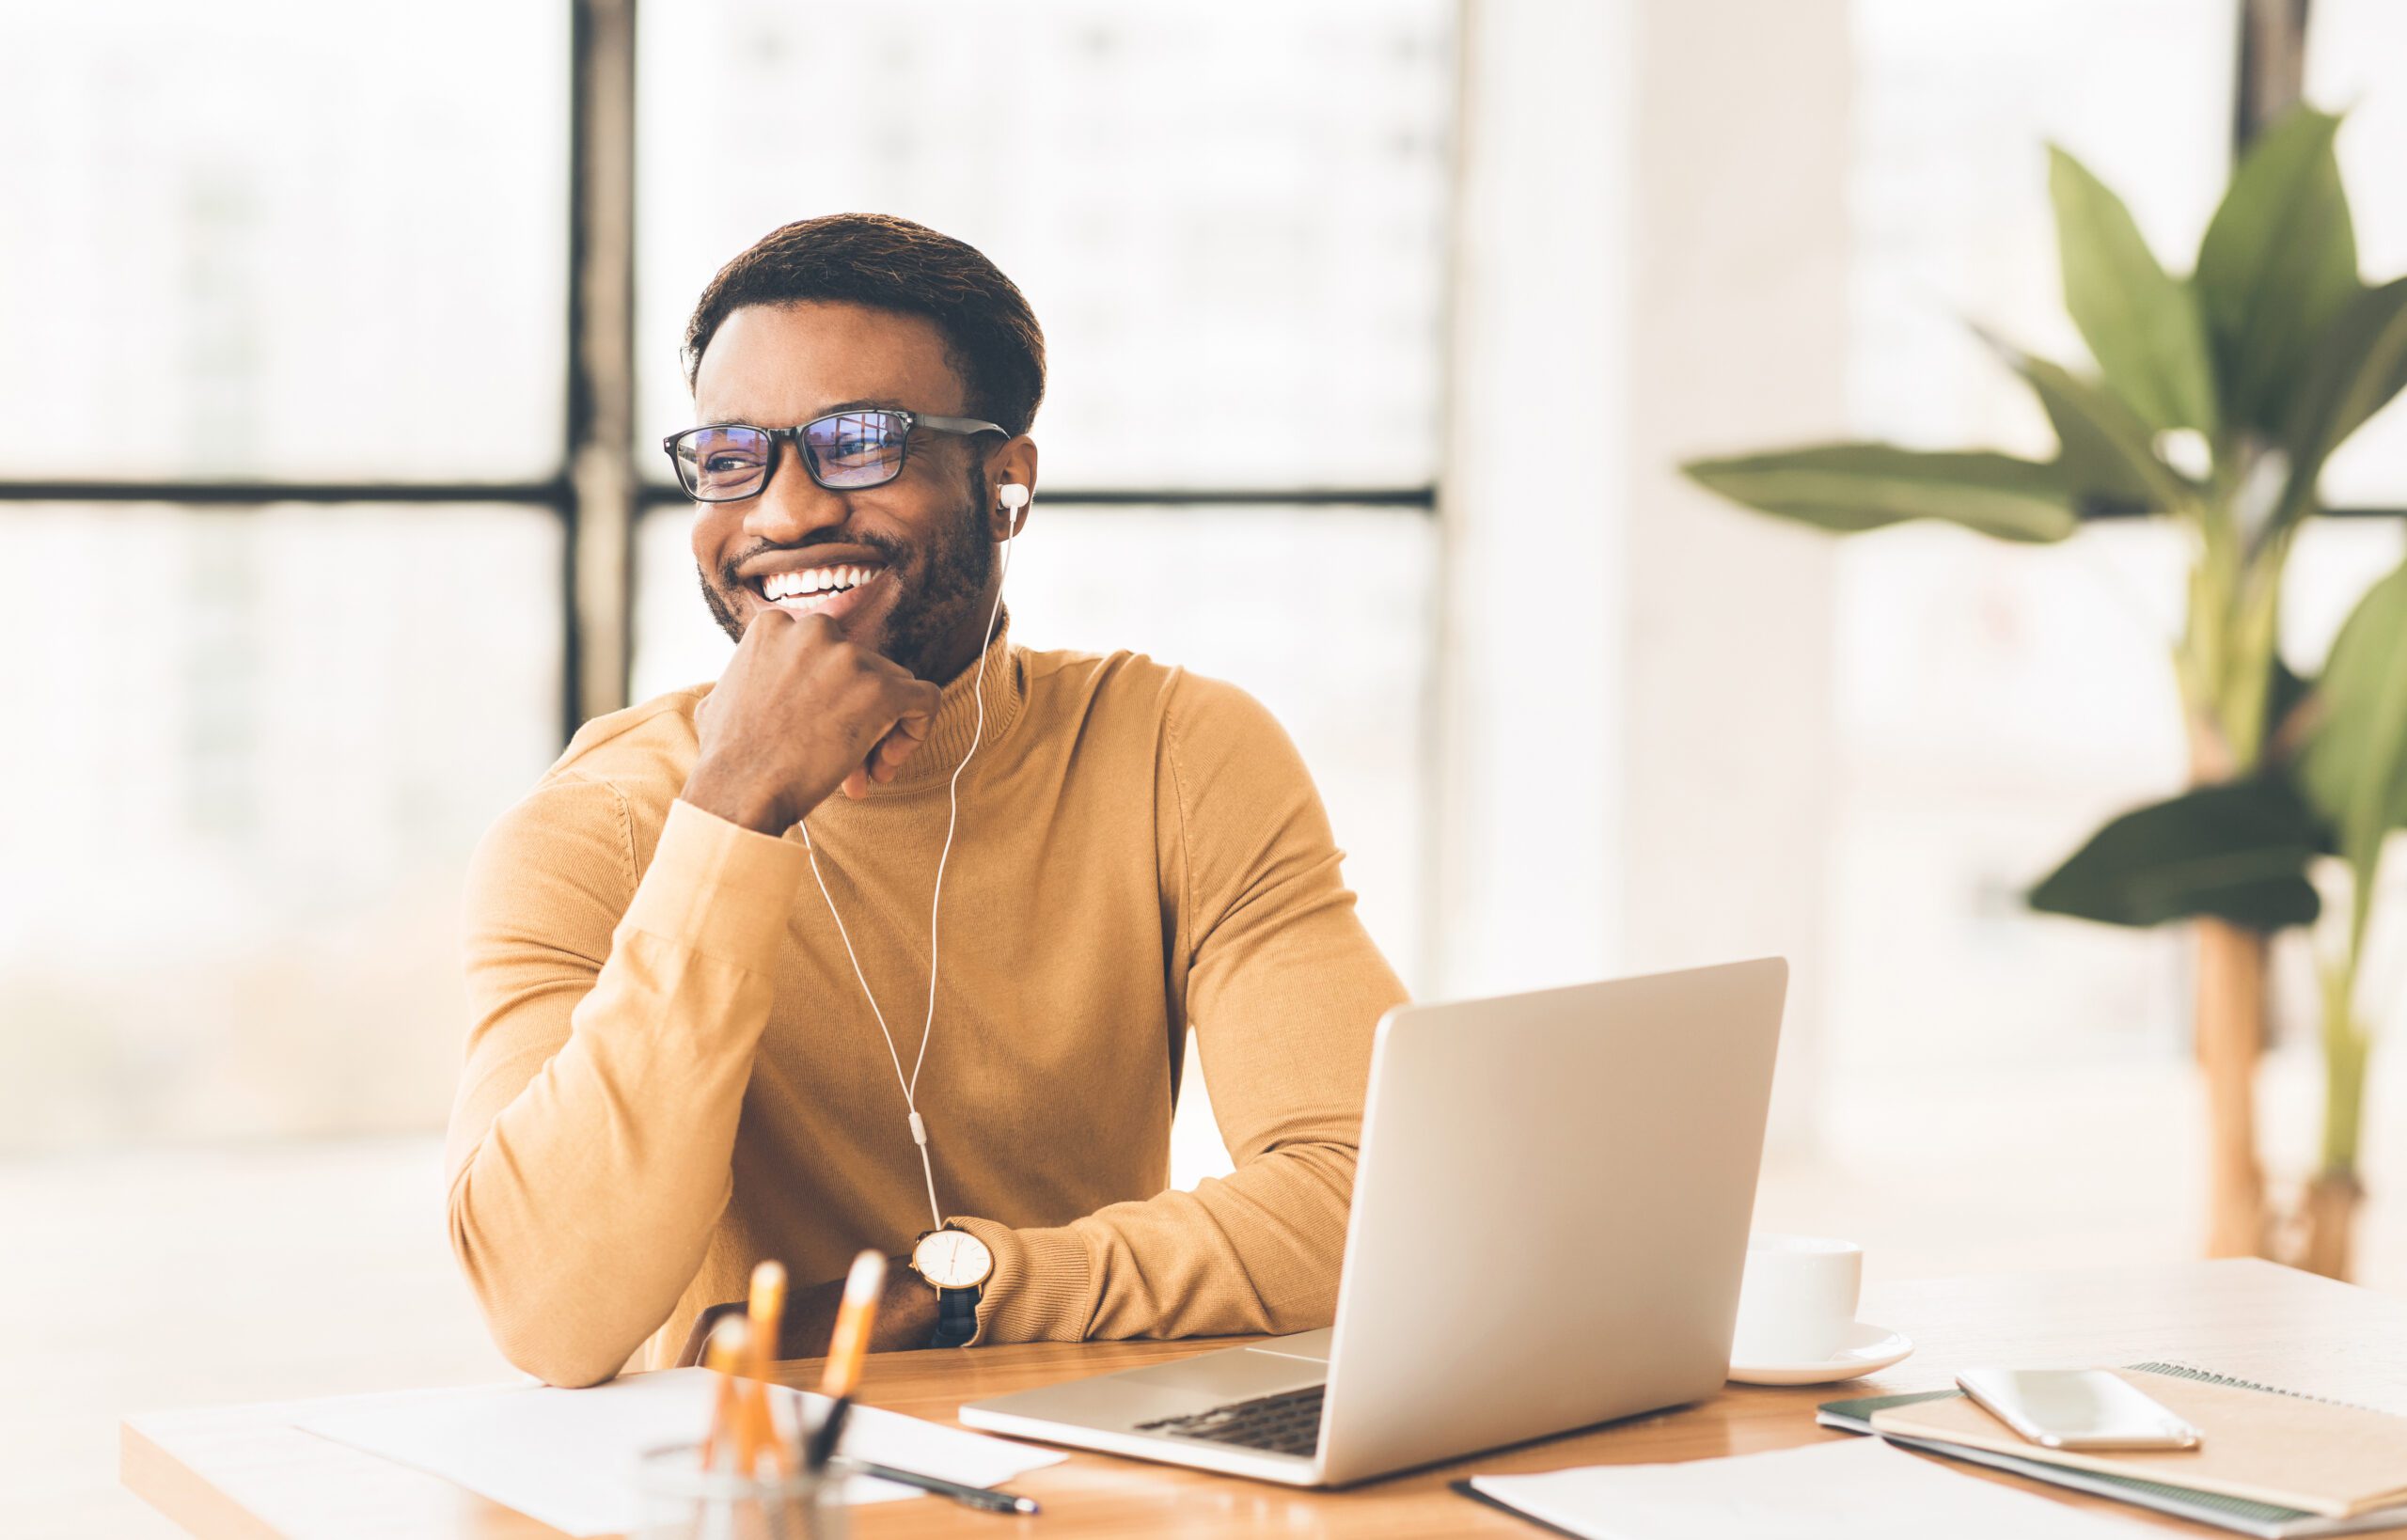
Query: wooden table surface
(244, 1471)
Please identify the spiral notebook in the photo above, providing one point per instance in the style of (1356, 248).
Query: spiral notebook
(2292, 1468)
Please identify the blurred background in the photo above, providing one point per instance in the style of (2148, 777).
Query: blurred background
(337, 345)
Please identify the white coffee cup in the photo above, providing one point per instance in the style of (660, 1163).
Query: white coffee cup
(1796, 1299)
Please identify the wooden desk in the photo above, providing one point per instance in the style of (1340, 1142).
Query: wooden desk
(241, 1472)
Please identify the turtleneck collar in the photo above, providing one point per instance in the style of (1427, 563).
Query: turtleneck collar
(957, 722)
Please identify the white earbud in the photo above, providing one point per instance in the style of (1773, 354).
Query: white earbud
(1012, 495)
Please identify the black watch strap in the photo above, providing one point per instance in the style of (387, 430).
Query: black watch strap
(957, 1317)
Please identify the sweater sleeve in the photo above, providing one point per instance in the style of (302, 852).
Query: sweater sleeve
(1284, 990)
(612, 1028)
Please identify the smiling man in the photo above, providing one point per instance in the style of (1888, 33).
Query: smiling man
(894, 935)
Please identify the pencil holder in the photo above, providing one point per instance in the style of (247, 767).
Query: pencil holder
(678, 1499)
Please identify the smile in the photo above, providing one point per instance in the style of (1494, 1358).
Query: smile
(816, 589)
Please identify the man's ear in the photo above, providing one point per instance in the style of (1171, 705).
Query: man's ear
(1015, 461)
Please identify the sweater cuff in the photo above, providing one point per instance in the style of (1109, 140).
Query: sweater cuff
(717, 888)
(1040, 1289)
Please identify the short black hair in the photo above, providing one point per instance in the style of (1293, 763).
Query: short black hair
(991, 336)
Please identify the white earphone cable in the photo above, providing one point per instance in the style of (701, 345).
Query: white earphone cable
(910, 1084)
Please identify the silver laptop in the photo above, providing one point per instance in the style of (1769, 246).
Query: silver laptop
(1550, 1217)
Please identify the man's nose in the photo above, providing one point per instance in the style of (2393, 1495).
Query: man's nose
(793, 506)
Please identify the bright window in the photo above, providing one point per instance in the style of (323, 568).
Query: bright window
(243, 782)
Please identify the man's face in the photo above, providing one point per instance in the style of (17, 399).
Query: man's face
(920, 542)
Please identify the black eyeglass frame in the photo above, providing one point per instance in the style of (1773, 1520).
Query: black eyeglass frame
(911, 422)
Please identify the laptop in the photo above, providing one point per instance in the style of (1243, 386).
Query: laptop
(1549, 1216)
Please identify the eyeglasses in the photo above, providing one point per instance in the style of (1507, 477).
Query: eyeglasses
(729, 461)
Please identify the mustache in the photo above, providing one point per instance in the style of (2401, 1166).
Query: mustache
(893, 551)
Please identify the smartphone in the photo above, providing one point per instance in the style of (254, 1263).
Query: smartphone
(2076, 1408)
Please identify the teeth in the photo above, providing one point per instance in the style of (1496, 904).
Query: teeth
(816, 580)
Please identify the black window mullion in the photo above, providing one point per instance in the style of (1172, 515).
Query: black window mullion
(235, 494)
(598, 426)
(656, 495)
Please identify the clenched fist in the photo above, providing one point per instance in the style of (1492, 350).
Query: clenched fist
(799, 711)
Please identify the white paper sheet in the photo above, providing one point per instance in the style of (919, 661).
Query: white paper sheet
(1856, 1489)
(568, 1457)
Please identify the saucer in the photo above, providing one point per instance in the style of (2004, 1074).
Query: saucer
(1868, 1347)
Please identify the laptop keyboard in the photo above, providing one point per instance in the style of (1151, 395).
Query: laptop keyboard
(1286, 1423)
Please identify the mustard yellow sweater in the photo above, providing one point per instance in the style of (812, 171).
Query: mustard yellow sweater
(672, 1074)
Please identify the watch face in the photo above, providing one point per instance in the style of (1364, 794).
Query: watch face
(953, 1259)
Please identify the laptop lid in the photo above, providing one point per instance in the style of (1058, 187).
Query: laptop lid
(1550, 1213)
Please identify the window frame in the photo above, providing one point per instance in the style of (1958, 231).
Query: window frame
(601, 489)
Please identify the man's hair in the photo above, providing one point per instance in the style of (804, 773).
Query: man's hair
(990, 334)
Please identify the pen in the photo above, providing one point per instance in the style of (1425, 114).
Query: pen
(823, 1438)
(847, 1345)
(968, 1497)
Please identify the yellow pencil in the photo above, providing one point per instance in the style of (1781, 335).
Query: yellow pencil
(730, 1344)
(856, 1318)
(765, 1308)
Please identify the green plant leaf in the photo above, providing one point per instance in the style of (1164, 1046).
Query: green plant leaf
(1850, 487)
(2358, 364)
(2354, 767)
(2278, 261)
(2142, 326)
(2104, 452)
(2236, 852)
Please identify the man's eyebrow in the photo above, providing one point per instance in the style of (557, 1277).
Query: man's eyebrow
(864, 404)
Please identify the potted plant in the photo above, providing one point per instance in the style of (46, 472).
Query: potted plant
(2215, 402)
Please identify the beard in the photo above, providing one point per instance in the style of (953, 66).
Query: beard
(936, 602)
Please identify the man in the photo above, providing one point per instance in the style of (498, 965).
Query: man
(701, 980)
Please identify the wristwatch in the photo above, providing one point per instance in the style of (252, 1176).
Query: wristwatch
(958, 1265)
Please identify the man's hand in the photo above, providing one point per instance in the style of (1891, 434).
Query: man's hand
(799, 711)
(907, 1317)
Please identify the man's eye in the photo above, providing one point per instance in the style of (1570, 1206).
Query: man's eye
(851, 446)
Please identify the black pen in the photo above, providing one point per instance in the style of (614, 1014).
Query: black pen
(968, 1497)
(819, 1446)
(855, 1317)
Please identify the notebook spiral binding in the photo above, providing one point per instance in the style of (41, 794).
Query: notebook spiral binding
(2189, 1370)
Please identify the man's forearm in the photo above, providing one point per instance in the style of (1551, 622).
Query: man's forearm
(1256, 1252)
(906, 1319)
(594, 1137)
(728, 798)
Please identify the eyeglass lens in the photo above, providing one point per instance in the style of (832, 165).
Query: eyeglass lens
(856, 448)
(718, 464)
(847, 450)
